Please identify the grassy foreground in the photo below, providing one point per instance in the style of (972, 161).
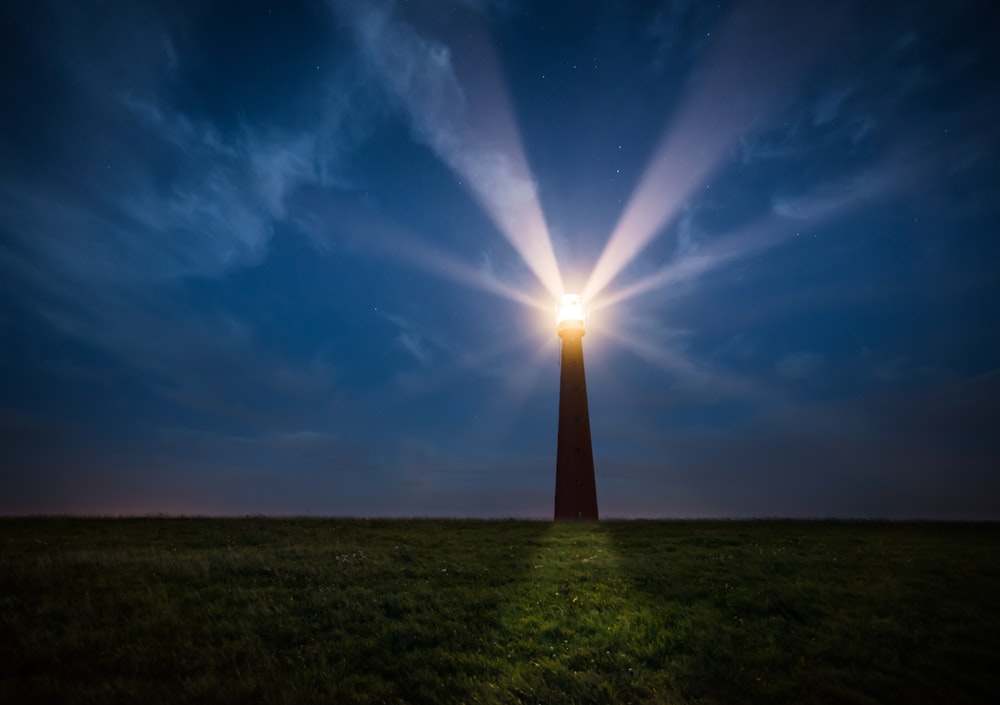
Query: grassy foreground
(426, 611)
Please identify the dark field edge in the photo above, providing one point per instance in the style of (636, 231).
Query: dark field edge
(875, 520)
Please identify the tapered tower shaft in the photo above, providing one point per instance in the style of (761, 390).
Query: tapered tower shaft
(576, 489)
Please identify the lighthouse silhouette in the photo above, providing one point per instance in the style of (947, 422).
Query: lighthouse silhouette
(576, 489)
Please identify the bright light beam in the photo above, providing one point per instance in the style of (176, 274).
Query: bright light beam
(489, 154)
(454, 94)
(744, 243)
(436, 261)
(806, 211)
(670, 360)
(686, 371)
(374, 233)
(743, 80)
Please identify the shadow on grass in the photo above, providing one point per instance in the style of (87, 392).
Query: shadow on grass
(261, 610)
(814, 612)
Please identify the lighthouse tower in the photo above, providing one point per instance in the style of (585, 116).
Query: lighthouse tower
(576, 490)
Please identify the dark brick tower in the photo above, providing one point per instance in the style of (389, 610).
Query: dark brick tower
(576, 489)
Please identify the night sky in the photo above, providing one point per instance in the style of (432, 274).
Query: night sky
(303, 257)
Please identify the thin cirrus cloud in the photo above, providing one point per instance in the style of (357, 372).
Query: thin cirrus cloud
(799, 366)
(102, 232)
(106, 278)
(124, 186)
(409, 339)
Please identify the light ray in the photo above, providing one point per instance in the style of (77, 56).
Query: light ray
(663, 357)
(491, 157)
(389, 240)
(791, 216)
(745, 243)
(740, 84)
(439, 262)
(525, 381)
(453, 91)
(516, 390)
(713, 382)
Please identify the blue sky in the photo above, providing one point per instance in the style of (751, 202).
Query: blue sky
(302, 257)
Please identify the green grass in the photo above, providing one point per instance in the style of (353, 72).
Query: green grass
(355, 611)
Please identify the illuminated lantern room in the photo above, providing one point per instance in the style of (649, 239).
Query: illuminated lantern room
(571, 317)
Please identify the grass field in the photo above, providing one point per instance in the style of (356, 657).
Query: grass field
(354, 611)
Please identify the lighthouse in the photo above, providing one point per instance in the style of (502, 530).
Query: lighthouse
(576, 489)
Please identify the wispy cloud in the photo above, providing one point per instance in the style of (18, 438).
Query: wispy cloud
(130, 195)
(800, 365)
(414, 345)
(678, 29)
(128, 184)
(836, 197)
(424, 344)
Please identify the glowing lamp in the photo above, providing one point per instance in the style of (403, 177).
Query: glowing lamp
(570, 315)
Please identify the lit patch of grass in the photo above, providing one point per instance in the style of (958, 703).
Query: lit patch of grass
(354, 611)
